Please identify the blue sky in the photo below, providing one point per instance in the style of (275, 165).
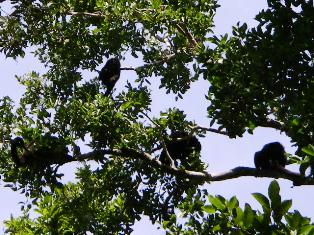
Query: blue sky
(218, 151)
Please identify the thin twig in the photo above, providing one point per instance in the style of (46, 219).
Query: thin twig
(164, 146)
(210, 130)
(94, 14)
(181, 27)
(157, 62)
(128, 68)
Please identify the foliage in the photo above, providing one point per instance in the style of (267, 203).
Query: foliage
(258, 84)
(264, 75)
(217, 215)
(71, 211)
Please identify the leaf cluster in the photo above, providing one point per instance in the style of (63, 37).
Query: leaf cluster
(217, 215)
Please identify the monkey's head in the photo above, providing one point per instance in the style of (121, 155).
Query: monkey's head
(113, 64)
(274, 148)
(17, 142)
(272, 155)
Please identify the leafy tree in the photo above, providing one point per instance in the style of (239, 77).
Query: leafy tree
(217, 215)
(264, 75)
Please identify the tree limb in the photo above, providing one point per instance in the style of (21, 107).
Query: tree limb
(283, 173)
(94, 155)
(94, 14)
(201, 177)
(273, 124)
(181, 27)
(208, 129)
(157, 62)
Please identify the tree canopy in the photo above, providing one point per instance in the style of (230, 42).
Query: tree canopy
(257, 77)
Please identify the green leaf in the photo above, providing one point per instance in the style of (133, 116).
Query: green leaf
(263, 201)
(285, 206)
(233, 203)
(209, 209)
(238, 216)
(248, 216)
(217, 202)
(307, 230)
(308, 150)
(273, 193)
(156, 3)
(295, 220)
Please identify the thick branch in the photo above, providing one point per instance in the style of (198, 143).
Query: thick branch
(237, 172)
(272, 124)
(201, 177)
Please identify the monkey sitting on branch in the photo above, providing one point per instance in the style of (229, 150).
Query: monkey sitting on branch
(180, 147)
(50, 151)
(272, 156)
(110, 74)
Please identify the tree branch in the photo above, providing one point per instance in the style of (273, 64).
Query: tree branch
(157, 62)
(94, 14)
(283, 173)
(273, 124)
(181, 27)
(95, 155)
(128, 68)
(268, 123)
(201, 177)
(208, 129)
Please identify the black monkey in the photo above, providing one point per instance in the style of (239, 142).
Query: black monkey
(110, 74)
(180, 147)
(16, 143)
(51, 151)
(271, 156)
